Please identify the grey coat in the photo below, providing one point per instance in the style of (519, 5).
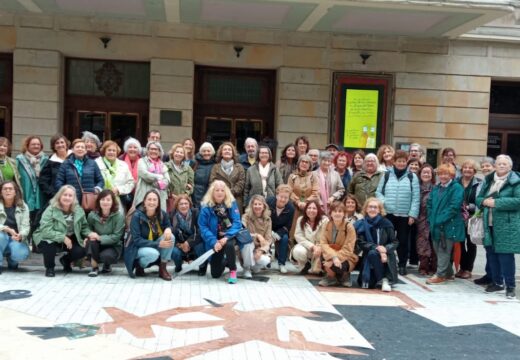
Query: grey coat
(254, 182)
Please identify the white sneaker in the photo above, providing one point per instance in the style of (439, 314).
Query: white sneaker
(247, 274)
(385, 286)
(283, 269)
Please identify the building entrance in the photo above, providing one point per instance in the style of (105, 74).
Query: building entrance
(233, 104)
(504, 121)
(6, 94)
(107, 98)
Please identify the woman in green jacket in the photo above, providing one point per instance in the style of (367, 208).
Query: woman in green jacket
(500, 199)
(108, 225)
(445, 220)
(14, 225)
(181, 174)
(62, 228)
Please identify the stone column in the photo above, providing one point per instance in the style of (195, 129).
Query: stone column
(37, 99)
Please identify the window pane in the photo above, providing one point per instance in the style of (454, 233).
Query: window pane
(513, 149)
(3, 115)
(93, 122)
(247, 90)
(122, 126)
(218, 131)
(245, 129)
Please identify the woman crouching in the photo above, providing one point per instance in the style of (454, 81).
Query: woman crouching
(377, 240)
(219, 222)
(151, 241)
(337, 245)
(62, 228)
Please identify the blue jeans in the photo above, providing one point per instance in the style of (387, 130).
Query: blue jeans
(13, 250)
(178, 255)
(283, 247)
(372, 265)
(502, 267)
(149, 255)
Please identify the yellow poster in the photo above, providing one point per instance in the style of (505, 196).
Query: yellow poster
(361, 118)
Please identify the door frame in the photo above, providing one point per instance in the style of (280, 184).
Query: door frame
(6, 95)
(203, 108)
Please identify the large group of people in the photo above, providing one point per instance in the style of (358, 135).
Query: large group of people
(327, 212)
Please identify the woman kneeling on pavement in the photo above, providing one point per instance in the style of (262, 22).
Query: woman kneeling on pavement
(219, 222)
(188, 241)
(308, 230)
(257, 219)
(377, 240)
(151, 241)
(105, 244)
(337, 244)
(445, 220)
(14, 225)
(62, 228)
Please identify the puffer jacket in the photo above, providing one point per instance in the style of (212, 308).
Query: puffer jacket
(506, 214)
(399, 198)
(202, 172)
(91, 179)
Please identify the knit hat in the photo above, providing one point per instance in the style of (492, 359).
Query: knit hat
(132, 141)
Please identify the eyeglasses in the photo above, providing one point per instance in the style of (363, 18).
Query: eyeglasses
(372, 207)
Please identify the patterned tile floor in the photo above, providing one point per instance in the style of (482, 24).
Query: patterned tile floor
(284, 317)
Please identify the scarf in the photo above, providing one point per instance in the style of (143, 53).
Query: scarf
(264, 173)
(132, 166)
(227, 166)
(155, 228)
(399, 173)
(157, 168)
(177, 168)
(78, 164)
(35, 161)
(224, 223)
(184, 223)
(369, 226)
(110, 174)
(324, 189)
(496, 186)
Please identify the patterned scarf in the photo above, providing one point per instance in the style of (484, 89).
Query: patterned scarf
(227, 166)
(155, 228)
(35, 161)
(184, 223)
(156, 168)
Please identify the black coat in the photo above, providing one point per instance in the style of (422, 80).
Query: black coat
(180, 236)
(202, 171)
(281, 224)
(47, 179)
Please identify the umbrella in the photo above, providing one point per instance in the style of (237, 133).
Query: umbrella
(194, 265)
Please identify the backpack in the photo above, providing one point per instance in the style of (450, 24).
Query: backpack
(387, 176)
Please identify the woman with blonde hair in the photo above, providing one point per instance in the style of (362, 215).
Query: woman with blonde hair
(189, 149)
(181, 174)
(63, 227)
(257, 219)
(219, 222)
(229, 170)
(377, 240)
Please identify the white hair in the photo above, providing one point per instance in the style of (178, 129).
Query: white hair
(251, 140)
(207, 145)
(371, 156)
(131, 141)
(507, 158)
(156, 143)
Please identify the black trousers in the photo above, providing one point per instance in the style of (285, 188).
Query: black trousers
(403, 235)
(414, 257)
(50, 249)
(224, 258)
(339, 271)
(100, 253)
(468, 255)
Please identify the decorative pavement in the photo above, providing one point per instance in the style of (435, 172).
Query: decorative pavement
(276, 317)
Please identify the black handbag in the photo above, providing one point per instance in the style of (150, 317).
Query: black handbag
(243, 237)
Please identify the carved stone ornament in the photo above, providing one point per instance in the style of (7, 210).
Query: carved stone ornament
(108, 78)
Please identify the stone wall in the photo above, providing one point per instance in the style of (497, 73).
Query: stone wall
(440, 99)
